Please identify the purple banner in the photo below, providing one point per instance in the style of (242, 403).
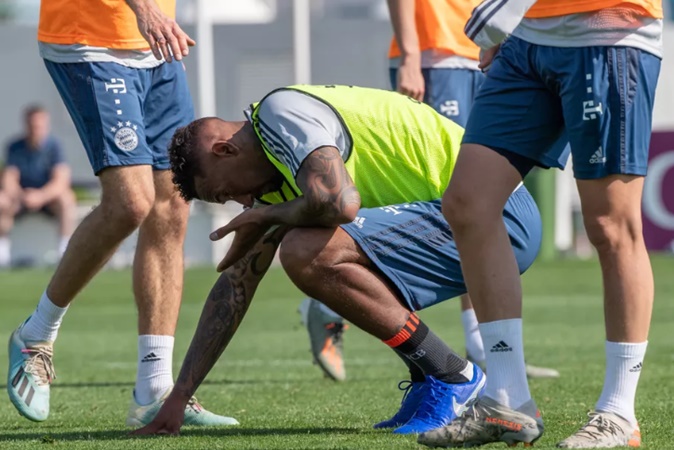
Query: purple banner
(658, 201)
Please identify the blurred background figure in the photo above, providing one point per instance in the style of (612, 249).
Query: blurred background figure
(35, 178)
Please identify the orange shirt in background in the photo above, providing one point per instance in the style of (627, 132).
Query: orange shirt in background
(553, 8)
(440, 27)
(98, 23)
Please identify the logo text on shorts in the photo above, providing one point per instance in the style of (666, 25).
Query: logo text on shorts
(395, 209)
(391, 209)
(450, 108)
(591, 111)
(598, 157)
(116, 85)
(358, 221)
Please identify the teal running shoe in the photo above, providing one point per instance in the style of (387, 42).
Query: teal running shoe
(195, 414)
(31, 372)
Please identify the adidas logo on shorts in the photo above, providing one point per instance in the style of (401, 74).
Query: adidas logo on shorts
(598, 157)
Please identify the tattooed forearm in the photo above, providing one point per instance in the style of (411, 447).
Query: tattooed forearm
(224, 310)
(330, 197)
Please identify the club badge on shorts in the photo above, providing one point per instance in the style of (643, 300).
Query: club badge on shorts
(126, 138)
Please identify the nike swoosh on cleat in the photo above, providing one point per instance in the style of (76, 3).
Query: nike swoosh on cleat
(458, 408)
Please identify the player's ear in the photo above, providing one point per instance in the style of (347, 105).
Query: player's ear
(224, 148)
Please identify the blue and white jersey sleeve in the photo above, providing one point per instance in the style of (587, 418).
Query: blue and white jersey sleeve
(294, 124)
(493, 20)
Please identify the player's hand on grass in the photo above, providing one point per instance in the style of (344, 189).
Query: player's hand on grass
(248, 228)
(166, 39)
(487, 56)
(410, 79)
(168, 420)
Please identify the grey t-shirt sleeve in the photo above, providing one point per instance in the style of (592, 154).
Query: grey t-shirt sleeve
(294, 124)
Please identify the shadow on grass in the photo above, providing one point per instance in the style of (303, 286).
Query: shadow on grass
(130, 384)
(51, 438)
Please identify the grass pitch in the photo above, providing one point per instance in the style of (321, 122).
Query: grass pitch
(266, 380)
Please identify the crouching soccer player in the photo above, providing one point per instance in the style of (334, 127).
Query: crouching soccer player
(347, 181)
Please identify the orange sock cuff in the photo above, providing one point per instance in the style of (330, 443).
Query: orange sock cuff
(405, 332)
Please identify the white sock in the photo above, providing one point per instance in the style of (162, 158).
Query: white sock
(623, 368)
(507, 380)
(471, 331)
(469, 371)
(5, 251)
(155, 367)
(63, 244)
(44, 323)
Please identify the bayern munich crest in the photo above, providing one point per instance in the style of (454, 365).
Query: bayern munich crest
(126, 138)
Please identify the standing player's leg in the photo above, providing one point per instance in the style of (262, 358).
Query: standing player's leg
(610, 153)
(158, 264)
(119, 156)
(328, 264)
(451, 93)
(127, 195)
(514, 120)
(157, 288)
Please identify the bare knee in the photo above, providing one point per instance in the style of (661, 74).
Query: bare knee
(298, 251)
(169, 216)
(308, 252)
(128, 212)
(610, 234)
(465, 211)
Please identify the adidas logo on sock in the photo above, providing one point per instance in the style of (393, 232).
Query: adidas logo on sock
(636, 368)
(150, 357)
(501, 347)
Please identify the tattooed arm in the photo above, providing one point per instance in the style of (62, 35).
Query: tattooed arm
(329, 195)
(224, 310)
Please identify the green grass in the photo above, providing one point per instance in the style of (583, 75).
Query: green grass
(266, 380)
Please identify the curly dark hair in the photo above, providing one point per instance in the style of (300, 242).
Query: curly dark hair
(184, 160)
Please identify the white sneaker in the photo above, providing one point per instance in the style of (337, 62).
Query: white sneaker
(604, 430)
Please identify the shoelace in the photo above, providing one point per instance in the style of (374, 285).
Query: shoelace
(472, 413)
(194, 405)
(406, 386)
(598, 426)
(431, 398)
(39, 364)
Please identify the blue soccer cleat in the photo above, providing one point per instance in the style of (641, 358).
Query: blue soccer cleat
(31, 371)
(443, 402)
(408, 406)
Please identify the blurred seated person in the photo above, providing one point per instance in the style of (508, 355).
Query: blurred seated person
(35, 179)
